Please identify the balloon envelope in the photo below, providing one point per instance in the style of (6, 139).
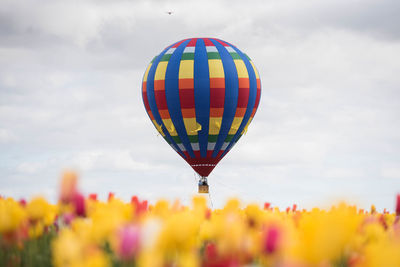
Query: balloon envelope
(201, 94)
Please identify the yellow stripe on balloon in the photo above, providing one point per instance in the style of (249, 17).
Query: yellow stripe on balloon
(216, 68)
(241, 69)
(186, 69)
(235, 125)
(170, 127)
(247, 125)
(158, 127)
(191, 125)
(160, 71)
(215, 125)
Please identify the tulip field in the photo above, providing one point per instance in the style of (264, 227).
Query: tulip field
(84, 231)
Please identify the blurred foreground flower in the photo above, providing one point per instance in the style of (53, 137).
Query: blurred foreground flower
(85, 231)
(127, 242)
(69, 187)
(12, 215)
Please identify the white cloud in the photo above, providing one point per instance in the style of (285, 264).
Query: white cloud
(31, 167)
(6, 136)
(392, 172)
(108, 160)
(343, 173)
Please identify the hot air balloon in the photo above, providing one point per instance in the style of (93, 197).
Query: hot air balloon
(201, 95)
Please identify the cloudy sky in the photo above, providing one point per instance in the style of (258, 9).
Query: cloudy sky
(327, 127)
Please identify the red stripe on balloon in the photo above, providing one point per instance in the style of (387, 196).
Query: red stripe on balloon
(221, 42)
(207, 42)
(161, 99)
(178, 44)
(192, 42)
(186, 97)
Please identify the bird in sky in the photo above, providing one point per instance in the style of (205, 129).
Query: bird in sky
(169, 12)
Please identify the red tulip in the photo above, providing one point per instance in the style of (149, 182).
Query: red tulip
(134, 200)
(294, 207)
(140, 206)
(22, 202)
(211, 251)
(93, 197)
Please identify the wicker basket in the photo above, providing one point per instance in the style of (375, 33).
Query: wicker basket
(203, 189)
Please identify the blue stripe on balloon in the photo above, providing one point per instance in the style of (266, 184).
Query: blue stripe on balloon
(202, 94)
(251, 102)
(231, 95)
(152, 100)
(172, 95)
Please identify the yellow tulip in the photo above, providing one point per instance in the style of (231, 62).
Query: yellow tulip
(323, 236)
(12, 215)
(36, 229)
(382, 253)
(67, 248)
(38, 209)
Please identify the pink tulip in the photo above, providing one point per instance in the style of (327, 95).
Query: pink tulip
(271, 239)
(68, 218)
(79, 204)
(208, 214)
(128, 242)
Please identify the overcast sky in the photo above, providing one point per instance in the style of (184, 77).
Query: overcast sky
(327, 127)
